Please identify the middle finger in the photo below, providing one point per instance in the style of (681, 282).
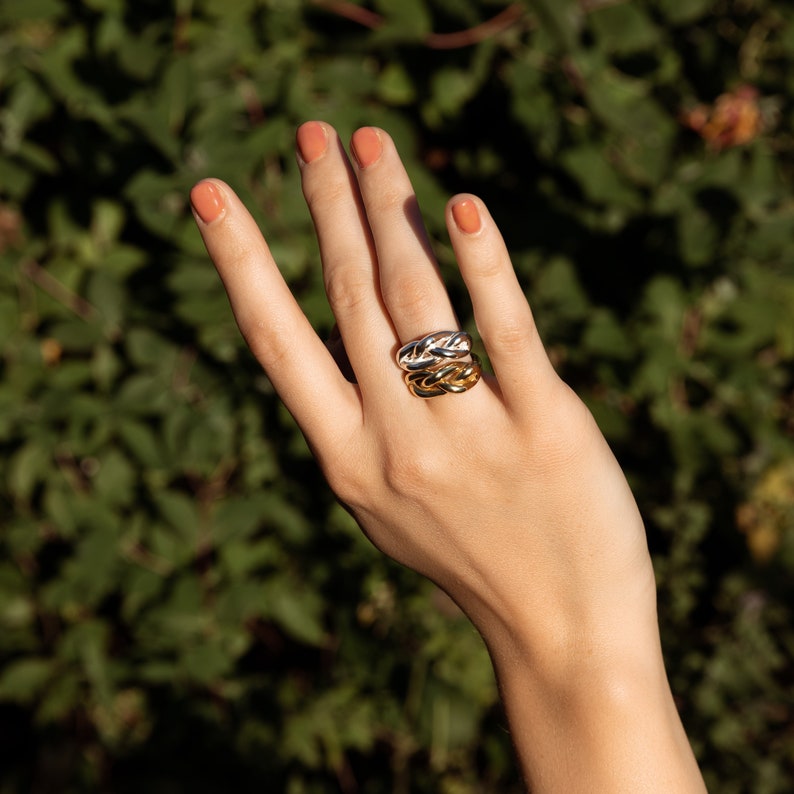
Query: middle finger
(410, 282)
(350, 269)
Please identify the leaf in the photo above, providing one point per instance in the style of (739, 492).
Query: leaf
(143, 442)
(62, 699)
(698, 237)
(146, 348)
(408, 20)
(204, 663)
(9, 319)
(115, 479)
(28, 468)
(624, 29)
(605, 337)
(295, 608)
(599, 180)
(78, 335)
(563, 18)
(143, 394)
(13, 11)
(105, 366)
(24, 680)
(535, 107)
(239, 517)
(240, 559)
(451, 88)
(108, 296)
(158, 201)
(558, 286)
(681, 12)
(395, 86)
(181, 513)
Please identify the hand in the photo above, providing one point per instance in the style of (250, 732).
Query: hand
(507, 495)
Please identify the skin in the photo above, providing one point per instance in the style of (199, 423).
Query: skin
(506, 496)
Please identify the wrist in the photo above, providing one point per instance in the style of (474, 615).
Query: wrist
(594, 713)
(597, 622)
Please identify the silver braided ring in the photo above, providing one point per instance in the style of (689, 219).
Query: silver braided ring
(439, 363)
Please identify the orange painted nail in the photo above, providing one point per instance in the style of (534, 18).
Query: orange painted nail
(207, 200)
(466, 216)
(312, 141)
(367, 146)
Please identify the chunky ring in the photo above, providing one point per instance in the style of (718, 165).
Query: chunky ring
(439, 363)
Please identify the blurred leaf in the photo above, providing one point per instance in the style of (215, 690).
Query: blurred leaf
(563, 19)
(395, 86)
(451, 89)
(21, 10)
(143, 442)
(605, 337)
(22, 681)
(180, 511)
(114, 482)
(624, 29)
(698, 236)
(598, 179)
(298, 610)
(28, 468)
(405, 21)
(680, 12)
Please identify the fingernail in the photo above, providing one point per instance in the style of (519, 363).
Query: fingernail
(312, 141)
(367, 146)
(466, 216)
(207, 200)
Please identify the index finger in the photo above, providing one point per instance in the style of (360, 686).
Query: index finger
(276, 329)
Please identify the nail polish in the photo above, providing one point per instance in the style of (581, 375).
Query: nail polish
(367, 146)
(466, 216)
(207, 200)
(312, 141)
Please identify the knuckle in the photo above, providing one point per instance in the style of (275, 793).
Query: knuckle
(385, 200)
(322, 192)
(361, 478)
(347, 289)
(342, 461)
(408, 294)
(569, 434)
(489, 268)
(514, 335)
(241, 257)
(348, 484)
(270, 346)
(413, 472)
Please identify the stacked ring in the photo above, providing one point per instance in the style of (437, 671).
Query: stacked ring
(439, 363)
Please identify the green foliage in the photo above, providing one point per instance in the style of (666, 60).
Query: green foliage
(182, 604)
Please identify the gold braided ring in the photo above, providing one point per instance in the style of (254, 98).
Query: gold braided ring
(439, 363)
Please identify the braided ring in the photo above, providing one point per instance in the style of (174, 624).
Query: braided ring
(439, 363)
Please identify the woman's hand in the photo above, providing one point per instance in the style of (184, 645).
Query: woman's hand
(506, 495)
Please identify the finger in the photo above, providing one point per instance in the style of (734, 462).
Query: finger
(410, 282)
(503, 316)
(278, 333)
(350, 267)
